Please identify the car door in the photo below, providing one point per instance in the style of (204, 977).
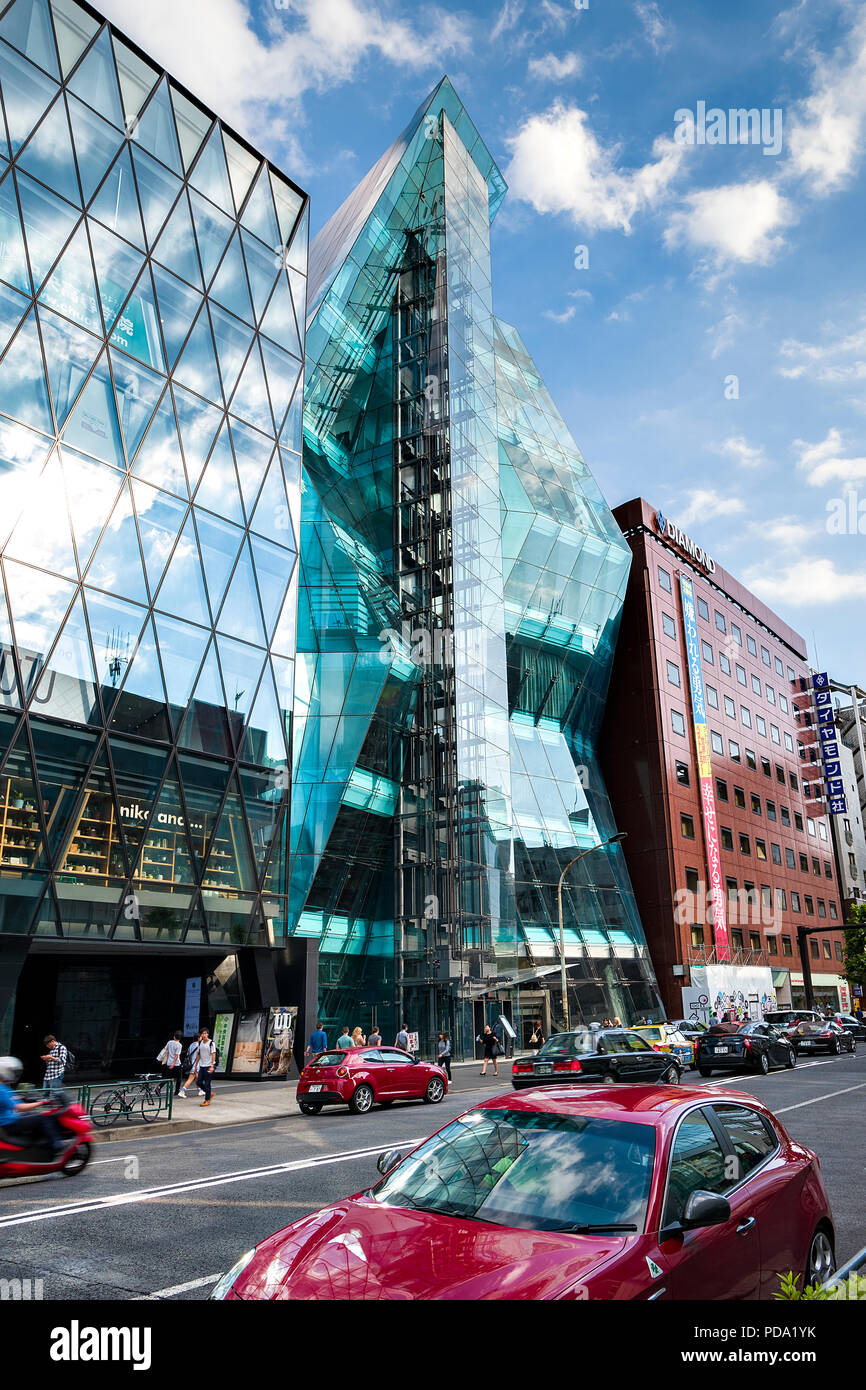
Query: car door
(777, 1048)
(712, 1262)
(615, 1056)
(402, 1076)
(645, 1064)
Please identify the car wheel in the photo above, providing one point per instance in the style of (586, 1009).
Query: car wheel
(672, 1076)
(307, 1107)
(792, 1058)
(837, 1047)
(609, 1079)
(822, 1258)
(362, 1099)
(763, 1063)
(705, 1071)
(435, 1091)
(77, 1161)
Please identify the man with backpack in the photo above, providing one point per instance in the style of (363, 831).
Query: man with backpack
(207, 1058)
(56, 1060)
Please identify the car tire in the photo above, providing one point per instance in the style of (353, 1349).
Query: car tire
(308, 1107)
(362, 1099)
(435, 1091)
(608, 1079)
(821, 1260)
(705, 1071)
(671, 1077)
(792, 1059)
(837, 1047)
(763, 1063)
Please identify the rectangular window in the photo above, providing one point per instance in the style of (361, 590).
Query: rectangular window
(692, 880)
(791, 676)
(751, 760)
(771, 810)
(736, 634)
(786, 946)
(837, 947)
(822, 830)
(786, 816)
(798, 821)
(750, 643)
(746, 717)
(665, 580)
(789, 859)
(804, 864)
(741, 673)
(697, 936)
(771, 695)
(776, 852)
(765, 656)
(720, 621)
(761, 725)
(756, 686)
(779, 667)
(727, 837)
(783, 703)
(724, 664)
(730, 707)
(822, 908)
(703, 610)
(825, 947)
(737, 939)
(712, 697)
(781, 899)
(669, 625)
(765, 767)
(809, 905)
(721, 789)
(687, 826)
(756, 805)
(813, 948)
(833, 912)
(745, 845)
(816, 867)
(776, 736)
(673, 673)
(718, 742)
(772, 948)
(828, 871)
(707, 653)
(678, 723)
(795, 902)
(810, 826)
(683, 774)
(733, 751)
(760, 850)
(789, 742)
(740, 798)
(780, 774)
(754, 941)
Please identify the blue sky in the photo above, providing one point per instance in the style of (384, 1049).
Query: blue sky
(707, 262)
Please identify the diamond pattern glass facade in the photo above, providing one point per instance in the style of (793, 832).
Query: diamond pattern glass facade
(152, 309)
(461, 581)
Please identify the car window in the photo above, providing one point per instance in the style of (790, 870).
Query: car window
(697, 1161)
(620, 1042)
(329, 1059)
(749, 1135)
(371, 1056)
(654, 1034)
(567, 1045)
(393, 1055)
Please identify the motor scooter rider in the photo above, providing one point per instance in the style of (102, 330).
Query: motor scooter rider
(13, 1120)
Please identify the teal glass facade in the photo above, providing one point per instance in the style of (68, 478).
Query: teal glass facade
(461, 581)
(152, 307)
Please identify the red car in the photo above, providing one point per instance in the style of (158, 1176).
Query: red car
(361, 1077)
(641, 1192)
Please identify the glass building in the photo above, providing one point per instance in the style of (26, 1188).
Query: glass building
(152, 307)
(460, 587)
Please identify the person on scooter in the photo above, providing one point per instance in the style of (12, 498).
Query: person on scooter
(16, 1124)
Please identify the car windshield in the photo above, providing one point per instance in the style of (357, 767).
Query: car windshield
(534, 1171)
(568, 1044)
(656, 1034)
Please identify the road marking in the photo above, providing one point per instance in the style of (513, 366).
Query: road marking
(179, 1288)
(95, 1162)
(122, 1199)
(814, 1101)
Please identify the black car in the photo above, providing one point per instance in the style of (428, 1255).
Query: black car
(822, 1037)
(691, 1028)
(601, 1054)
(788, 1020)
(744, 1047)
(852, 1023)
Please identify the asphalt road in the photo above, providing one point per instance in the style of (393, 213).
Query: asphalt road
(166, 1216)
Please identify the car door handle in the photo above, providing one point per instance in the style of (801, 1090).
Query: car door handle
(745, 1226)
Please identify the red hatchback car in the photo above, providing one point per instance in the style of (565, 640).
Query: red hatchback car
(361, 1077)
(622, 1192)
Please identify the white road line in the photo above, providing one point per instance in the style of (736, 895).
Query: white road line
(179, 1288)
(95, 1162)
(814, 1101)
(122, 1199)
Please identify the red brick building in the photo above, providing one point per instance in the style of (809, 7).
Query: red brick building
(775, 855)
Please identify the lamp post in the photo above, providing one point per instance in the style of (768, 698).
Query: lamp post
(612, 840)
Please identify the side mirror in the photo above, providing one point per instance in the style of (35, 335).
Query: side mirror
(705, 1209)
(388, 1160)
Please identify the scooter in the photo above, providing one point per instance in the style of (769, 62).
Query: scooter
(25, 1157)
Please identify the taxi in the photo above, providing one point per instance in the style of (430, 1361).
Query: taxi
(662, 1037)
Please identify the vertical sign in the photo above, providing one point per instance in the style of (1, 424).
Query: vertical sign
(829, 742)
(705, 771)
(192, 1006)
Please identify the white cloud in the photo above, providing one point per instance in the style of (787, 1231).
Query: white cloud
(826, 461)
(738, 448)
(785, 532)
(559, 166)
(724, 332)
(737, 222)
(827, 130)
(705, 503)
(550, 68)
(658, 31)
(825, 362)
(311, 45)
(808, 580)
(507, 18)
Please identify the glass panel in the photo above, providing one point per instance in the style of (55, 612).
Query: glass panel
(282, 373)
(159, 460)
(159, 520)
(233, 340)
(264, 741)
(137, 329)
(253, 453)
(88, 905)
(240, 616)
(205, 727)
(67, 687)
(212, 229)
(62, 758)
(220, 543)
(279, 321)
(210, 174)
(91, 490)
(218, 489)
(13, 258)
(230, 284)
(48, 224)
(92, 850)
(264, 805)
(230, 863)
(138, 392)
(182, 591)
(241, 668)
(22, 846)
(273, 573)
(74, 29)
(204, 785)
(271, 517)
(165, 855)
(96, 144)
(95, 81)
(10, 695)
(263, 266)
(70, 353)
(176, 246)
(155, 129)
(197, 367)
(198, 423)
(48, 154)
(177, 309)
(116, 203)
(242, 167)
(27, 26)
(93, 425)
(116, 566)
(138, 771)
(157, 190)
(259, 215)
(71, 289)
(181, 649)
(192, 125)
(43, 535)
(288, 204)
(23, 388)
(140, 707)
(22, 454)
(250, 401)
(115, 627)
(117, 265)
(27, 92)
(137, 80)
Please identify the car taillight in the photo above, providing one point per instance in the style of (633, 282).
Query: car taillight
(573, 1065)
(826, 1035)
(747, 1044)
(342, 1071)
(521, 1067)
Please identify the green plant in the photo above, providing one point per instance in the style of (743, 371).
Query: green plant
(789, 1289)
(854, 957)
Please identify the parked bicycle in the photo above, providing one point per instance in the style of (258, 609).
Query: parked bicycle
(146, 1096)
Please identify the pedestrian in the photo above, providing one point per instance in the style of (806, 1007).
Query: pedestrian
(55, 1060)
(443, 1054)
(345, 1038)
(191, 1069)
(318, 1041)
(617, 1022)
(402, 1038)
(358, 1038)
(375, 1038)
(606, 1023)
(206, 1062)
(490, 1044)
(170, 1059)
(13, 1120)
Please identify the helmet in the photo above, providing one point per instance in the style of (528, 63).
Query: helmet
(10, 1070)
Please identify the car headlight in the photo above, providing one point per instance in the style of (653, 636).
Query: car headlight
(226, 1281)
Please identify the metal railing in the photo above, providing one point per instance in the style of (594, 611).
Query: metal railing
(147, 1097)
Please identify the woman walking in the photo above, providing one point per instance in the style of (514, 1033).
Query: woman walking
(358, 1038)
(490, 1043)
(170, 1059)
(443, 1054)
(191, 1069)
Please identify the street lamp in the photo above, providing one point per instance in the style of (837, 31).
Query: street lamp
(621, 835)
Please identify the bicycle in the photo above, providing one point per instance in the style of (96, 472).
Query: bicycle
(146, 1096)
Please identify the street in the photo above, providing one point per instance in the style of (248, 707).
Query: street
(166, 1216)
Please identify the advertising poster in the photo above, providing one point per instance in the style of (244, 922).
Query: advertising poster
(222, 1036)
(282, 1022)
(705, 771)
(249, 1043)
(719, 990)
(192, 1007)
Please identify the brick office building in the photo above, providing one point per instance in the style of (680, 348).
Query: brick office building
(708, 754)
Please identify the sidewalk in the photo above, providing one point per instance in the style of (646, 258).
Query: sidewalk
(229, 1107)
